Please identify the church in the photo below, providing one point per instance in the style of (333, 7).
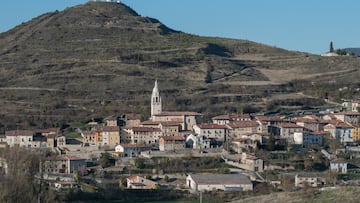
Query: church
(185, 119)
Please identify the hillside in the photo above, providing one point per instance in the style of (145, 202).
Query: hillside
(99, 59)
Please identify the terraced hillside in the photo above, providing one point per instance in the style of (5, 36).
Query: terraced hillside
(99, 59)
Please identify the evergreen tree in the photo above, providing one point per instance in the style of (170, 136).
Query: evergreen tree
(331, 47)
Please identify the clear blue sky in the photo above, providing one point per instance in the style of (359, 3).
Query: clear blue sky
(303, 25)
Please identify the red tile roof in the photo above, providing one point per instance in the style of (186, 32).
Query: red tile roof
(178, 113)
(19, 132)
(145, 129)
(304, 120)
(211, 126)
(150, 122)
(340, 124)
(348, 113)
(289, 125)
(243, 124)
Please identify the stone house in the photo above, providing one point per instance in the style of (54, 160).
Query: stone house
(340, 131)
(253, 163)
(241, 144)
(348, 117)
(65, 164)
(139, 182)
(168, 143)
(131, 120)
(308, 180)
(212, 131)
(310, 124)
(142, 135)
(186, 119)
(238, 129)
(286, 131)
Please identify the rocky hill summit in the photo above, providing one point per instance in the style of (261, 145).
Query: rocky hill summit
(100, 59)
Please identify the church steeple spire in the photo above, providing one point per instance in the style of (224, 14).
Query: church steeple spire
(155, 100)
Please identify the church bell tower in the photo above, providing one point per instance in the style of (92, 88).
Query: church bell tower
(155, 101)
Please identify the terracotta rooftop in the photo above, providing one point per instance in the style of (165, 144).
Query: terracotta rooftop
(178, 113)
(107, 128)
(145, 129)
(348, 113)
(289, 125)
(340, 124)
(243, 124)
(19, 133)
(148, 122)
(305, 120)
(211, 126)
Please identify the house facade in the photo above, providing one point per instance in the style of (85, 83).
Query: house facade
(65, 164)
(238, 129)
(338, 166)
(348, 117)
(143, 135)
(286, 131)
(212, 131)
(186, 119)
(139, 182)
(130, 150)
(225, 182)
(168, 143)
(308, 180)
(21, 138)
(225, 119)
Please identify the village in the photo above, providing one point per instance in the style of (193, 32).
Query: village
(235, 152)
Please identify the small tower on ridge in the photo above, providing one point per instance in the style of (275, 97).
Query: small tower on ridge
(155, 100)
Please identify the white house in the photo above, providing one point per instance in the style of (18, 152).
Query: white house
(209, 182)
(338, 166)
(22, 138)
(130, 150)
(198, 142)
(312, 180)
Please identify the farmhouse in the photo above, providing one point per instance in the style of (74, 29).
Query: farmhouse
(209, 182)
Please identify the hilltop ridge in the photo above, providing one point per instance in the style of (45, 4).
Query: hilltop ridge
(100, 59)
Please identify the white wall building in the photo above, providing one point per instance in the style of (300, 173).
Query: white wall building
(210, 182)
